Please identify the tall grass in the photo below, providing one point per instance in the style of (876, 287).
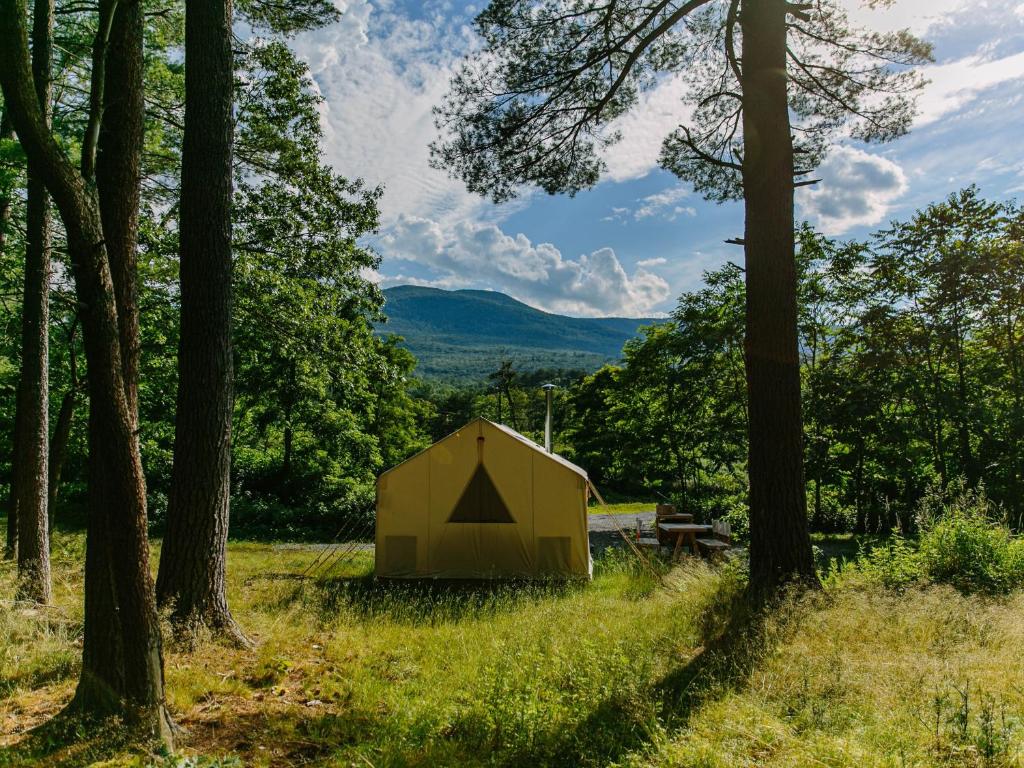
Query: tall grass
(633, 669)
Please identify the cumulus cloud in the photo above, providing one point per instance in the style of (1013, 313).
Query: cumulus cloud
(857, 189)
(478, 253)
(381, 72)
(957, 83)
(663, 205)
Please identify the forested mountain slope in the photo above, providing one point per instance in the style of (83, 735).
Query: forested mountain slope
(461, 335)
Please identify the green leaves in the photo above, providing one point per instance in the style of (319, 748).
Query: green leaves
(536, 105)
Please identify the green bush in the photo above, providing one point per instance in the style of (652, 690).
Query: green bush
(963, 542)
(263, 516)
(895, 564)
(973, 554)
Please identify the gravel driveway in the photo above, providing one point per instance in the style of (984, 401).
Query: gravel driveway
(604, 528)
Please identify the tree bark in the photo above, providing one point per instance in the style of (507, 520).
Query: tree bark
(118, 175)
(30, 463)
(6, 134)
(780, 545)
(122, 660)
(59, 447)
(11, 544)
(11, 541)
(193, 560)
(861, 524)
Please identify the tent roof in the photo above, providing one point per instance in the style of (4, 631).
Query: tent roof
(511, 433)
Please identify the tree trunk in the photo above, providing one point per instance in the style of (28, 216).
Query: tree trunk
(860, 526)
(29, 466)
(192, 562)
(122, 660)
(780, 545)
(6, 134)
(11, 542)
(118, 174)
(11, 545)
(817, 516)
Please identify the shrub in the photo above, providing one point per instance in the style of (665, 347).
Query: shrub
(963, 542)
(894, 564)
(972, 553)
(348, 514)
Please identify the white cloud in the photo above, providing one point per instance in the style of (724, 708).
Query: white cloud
(480, 254)
(957, 83)
(857, 189)
(659, 112)
(652, 262)
(381, 73)
(661, 201)
(661, 204)
(919, 16)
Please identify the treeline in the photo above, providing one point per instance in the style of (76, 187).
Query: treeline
(912, 356)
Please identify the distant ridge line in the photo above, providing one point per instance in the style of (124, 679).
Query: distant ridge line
(464, 334)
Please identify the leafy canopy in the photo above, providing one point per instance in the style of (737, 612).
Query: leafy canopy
(537, 104)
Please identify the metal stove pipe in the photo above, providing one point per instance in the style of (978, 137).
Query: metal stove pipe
(548, 389)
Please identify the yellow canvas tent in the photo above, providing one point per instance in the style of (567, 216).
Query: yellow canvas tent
(484, 502)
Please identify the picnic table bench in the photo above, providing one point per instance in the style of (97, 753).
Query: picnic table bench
(685, 533)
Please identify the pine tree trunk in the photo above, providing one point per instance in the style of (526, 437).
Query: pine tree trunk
(192, 563)
(11, 541)
(780, 546)
(118, 174)
(6, 134)
(861, 524)
(122, 661)
(30, 463)
(11, 544)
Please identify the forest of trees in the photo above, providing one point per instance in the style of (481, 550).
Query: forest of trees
(910, 347)
(188, 326)
(910, 354)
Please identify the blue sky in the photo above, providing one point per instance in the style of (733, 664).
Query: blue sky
(637, 240)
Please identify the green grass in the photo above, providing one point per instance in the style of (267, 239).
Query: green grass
(628, 670)
(623, 508)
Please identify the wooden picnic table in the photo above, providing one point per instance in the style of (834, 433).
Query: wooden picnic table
(684, 532)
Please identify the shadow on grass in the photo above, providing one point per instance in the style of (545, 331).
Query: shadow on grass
(630, 715)
(57, 667)
(429, 601)
(68, 741)
(737, 634)
(634, 715)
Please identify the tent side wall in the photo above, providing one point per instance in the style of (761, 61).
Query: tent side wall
(401, 540)
(561, 541)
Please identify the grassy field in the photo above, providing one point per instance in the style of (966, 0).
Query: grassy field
(623, 508)
(632, 669)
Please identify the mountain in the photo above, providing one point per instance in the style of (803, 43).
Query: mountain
(464, 335)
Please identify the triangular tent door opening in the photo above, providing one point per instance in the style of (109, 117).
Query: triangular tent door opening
(481, 502)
